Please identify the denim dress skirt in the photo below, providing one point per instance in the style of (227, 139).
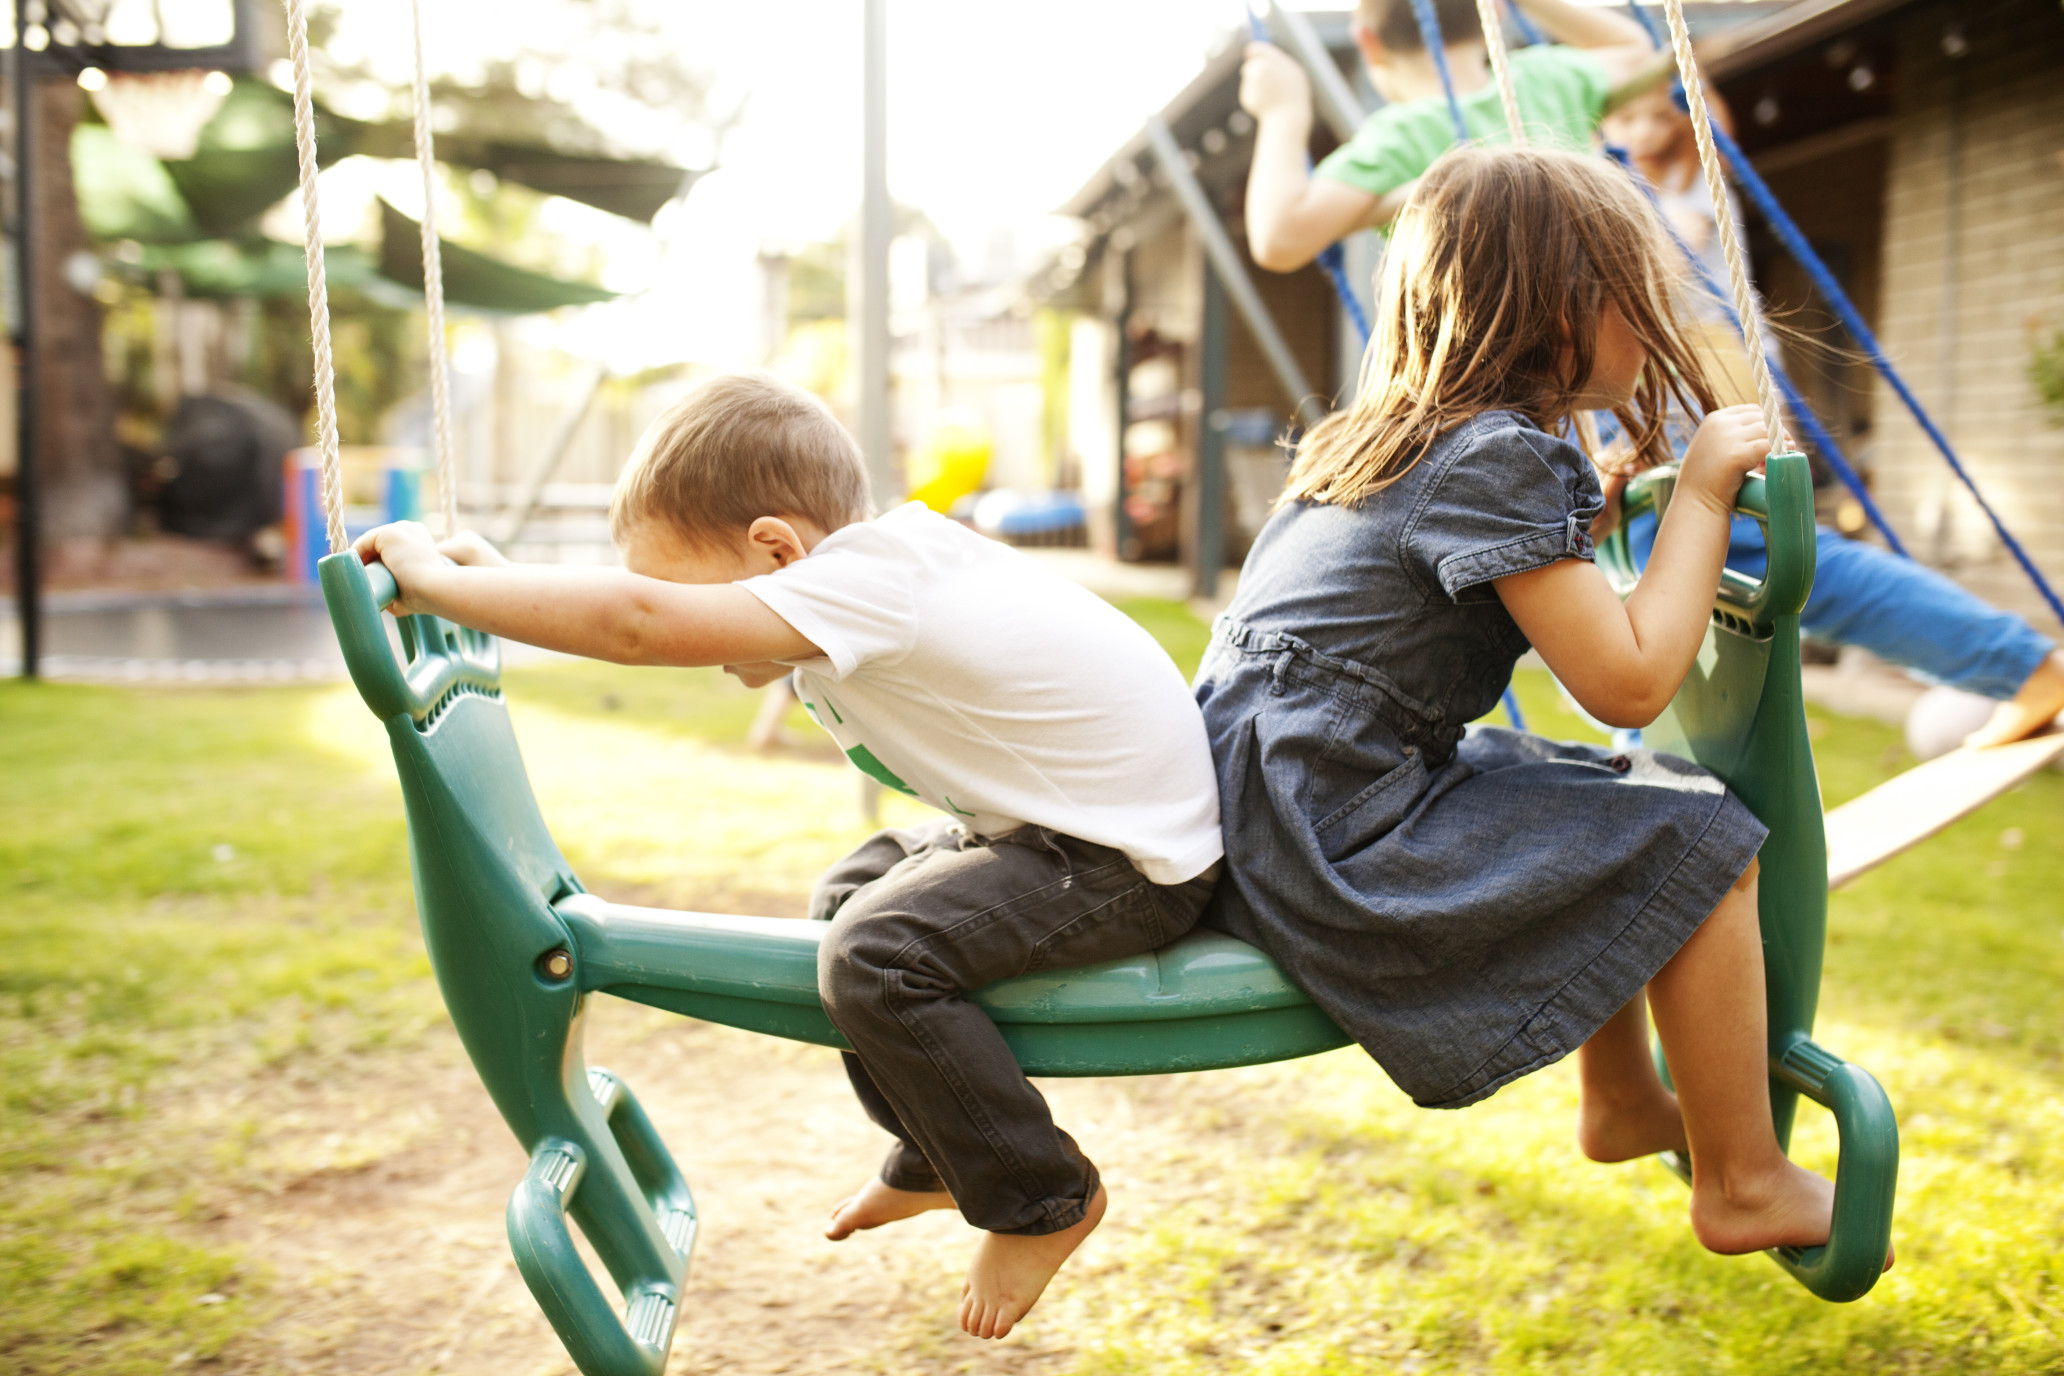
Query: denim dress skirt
(1469, 904)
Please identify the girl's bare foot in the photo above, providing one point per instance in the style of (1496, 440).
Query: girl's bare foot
(1010, 1272)
(877, 1204)
(2037, 704)
(1620, 1128)
(1783, 1206)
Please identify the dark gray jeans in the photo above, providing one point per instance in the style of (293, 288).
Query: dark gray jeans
(921, 917)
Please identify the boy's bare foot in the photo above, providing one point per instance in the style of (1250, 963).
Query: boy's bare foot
(877, 1204)
(2037, 704)
(1010, 1273)
(1625, 1130)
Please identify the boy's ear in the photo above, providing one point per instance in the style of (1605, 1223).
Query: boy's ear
(1371, 47)
(776, 538)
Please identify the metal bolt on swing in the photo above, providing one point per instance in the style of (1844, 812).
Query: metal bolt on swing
(556, 964)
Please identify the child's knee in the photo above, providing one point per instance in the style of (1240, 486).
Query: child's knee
(857, 962)
(846, 970)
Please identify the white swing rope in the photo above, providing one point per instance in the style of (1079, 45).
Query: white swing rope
(1730, 244)
(433, 290)
(1494, 39)
(318, 283)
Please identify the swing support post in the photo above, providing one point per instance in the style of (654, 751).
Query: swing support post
(1225, 261)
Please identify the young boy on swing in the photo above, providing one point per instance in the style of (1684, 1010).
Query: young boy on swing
(1060, 742)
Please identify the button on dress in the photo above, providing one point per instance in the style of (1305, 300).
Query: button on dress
(1469, 904)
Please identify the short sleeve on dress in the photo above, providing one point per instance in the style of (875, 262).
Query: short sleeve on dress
(1509, 499)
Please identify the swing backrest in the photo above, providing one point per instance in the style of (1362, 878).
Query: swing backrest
(1741, 713)
(487, 874)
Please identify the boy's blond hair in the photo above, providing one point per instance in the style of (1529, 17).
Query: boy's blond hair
(1499, 271)
(1393, 22)
(739, 447)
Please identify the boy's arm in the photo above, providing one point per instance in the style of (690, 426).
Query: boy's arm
(1610, 35)
(609, 614)
(1291, 216)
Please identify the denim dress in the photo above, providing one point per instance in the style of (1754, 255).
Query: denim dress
(1469, 905)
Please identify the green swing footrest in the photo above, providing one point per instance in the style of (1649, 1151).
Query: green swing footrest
(601, 1343)
(1866, 1172)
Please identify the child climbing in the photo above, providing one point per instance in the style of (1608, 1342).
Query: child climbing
(1563, 89)
(1472, 906)
(1900, 611)
(1059, 741)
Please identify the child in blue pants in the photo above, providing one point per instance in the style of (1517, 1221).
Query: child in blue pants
(1910, 615)
(1900, 611)
(1474, 905)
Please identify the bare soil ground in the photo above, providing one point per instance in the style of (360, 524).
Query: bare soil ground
(383, 1231)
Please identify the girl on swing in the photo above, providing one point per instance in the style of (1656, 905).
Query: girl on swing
(1474, 905)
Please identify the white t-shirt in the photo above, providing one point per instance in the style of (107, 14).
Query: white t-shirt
(959, 671)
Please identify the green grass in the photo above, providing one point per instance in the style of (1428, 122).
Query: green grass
(209, 888)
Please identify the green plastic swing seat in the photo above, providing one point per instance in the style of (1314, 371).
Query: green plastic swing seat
(518, 946)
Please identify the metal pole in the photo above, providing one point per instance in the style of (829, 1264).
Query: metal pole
(877, 227)
(549, 459)
(1337, 103)
(1218, 245)
(1121, 523)
(1211, 445)
(28, 554)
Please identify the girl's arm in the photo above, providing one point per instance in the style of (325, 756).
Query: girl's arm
(1291, 215)
(600, 613)
(1624, 661)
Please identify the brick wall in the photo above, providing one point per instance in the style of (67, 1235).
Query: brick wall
(1973, 259)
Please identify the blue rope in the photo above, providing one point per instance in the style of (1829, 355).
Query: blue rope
(1650, 25)
(1802, 414)
(1831, 291)
(1430, 34)
(1529, 36)
(1333, 262)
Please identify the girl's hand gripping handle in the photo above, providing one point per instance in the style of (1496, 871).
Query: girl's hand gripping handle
(1731, 444)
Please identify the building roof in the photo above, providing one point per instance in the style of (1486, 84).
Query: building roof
(1798, 26)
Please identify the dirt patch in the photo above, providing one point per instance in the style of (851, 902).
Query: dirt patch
(382, 1232)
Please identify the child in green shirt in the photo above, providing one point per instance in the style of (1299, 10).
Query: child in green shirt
(1563, 90)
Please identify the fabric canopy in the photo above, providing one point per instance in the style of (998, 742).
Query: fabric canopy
(198, 216)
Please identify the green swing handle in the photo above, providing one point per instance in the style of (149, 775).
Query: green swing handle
(1781, 501)
(600, 1341)
(436, 660)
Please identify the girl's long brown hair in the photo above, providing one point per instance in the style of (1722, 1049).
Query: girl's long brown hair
(1499, 270)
